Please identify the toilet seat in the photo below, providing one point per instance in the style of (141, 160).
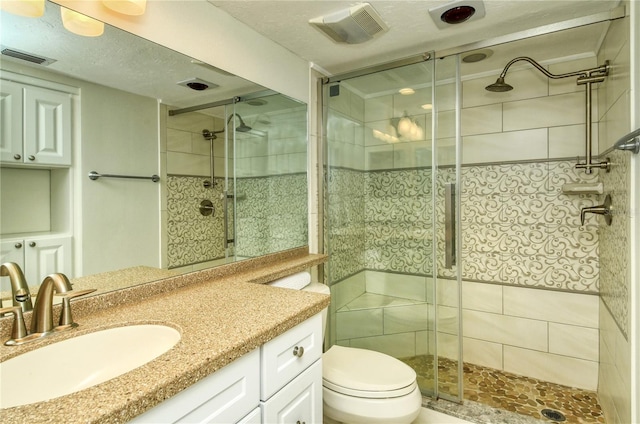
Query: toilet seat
(366, 374)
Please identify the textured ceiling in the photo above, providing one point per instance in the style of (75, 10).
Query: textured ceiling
(120, 60)
(412, 31)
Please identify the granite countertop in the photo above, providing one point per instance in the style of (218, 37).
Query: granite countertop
(220, 318)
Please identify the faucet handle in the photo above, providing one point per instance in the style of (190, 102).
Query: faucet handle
(66, 319)
(19, 330)
(604, 209)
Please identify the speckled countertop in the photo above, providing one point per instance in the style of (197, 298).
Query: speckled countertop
(221, 314)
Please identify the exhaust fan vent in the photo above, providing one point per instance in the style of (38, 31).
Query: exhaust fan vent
(17, 54)
(351, 26)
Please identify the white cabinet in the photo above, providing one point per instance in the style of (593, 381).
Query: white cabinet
(235, 394)
(226, 396)
(36, 125)
(291, 382)
(300, 401)
(37, 256)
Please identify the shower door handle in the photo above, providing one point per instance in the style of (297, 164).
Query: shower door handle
(227, 240)
(450, 225)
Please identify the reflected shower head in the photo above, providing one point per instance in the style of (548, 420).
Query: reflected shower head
(499, 86)
(242, 127)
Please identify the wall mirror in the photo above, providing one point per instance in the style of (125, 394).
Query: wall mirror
(232, 159)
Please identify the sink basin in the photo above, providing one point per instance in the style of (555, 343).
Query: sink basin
(81, 362)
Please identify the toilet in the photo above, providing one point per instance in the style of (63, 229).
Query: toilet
(361, 386)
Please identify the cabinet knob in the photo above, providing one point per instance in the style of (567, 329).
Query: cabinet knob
(32, 243)
(18, 245)
(31, 157)
(298, 351)
(17, 156)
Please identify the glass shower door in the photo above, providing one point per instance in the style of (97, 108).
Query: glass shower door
(385, 179)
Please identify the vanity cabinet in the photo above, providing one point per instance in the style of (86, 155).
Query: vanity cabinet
(38, 256)
(36, 125)
(269, 385)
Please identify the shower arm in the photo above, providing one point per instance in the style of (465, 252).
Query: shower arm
(585, 73)
(585, 77)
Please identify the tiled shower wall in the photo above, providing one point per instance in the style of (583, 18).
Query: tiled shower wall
(614, 390)
(518, 229)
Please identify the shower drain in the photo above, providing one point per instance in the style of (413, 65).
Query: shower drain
(553, 415)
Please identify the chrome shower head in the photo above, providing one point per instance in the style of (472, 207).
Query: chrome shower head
(499, 86)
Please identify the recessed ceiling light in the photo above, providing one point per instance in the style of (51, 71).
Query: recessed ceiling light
(406, 91)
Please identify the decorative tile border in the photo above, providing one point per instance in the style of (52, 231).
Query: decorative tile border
(517, 225)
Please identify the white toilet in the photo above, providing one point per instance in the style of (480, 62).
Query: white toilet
(362, 386)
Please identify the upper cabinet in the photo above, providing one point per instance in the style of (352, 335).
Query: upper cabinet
(36, 125)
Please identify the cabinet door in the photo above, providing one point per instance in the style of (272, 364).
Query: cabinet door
(11, 251)
(10, 122)
(287, 355)
(299, 401)
(254, 417)
(44, 256)
(226, 396)
(47, 133)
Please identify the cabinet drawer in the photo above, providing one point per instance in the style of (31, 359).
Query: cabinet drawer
(286, 356)
(299, 401)
(226, 396)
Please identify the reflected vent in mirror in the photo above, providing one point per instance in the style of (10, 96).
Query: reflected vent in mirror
(17, 54)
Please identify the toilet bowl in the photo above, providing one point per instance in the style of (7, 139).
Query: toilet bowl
(361, 386)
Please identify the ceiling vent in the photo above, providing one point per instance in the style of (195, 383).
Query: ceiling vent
(351, 26)
(17, 54)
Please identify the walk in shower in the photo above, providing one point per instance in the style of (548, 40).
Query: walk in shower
(236, 180)
(453, 226)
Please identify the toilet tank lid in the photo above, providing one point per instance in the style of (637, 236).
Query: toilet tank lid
(365, 370)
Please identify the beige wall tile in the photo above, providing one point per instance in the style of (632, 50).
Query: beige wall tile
(352, 324)
(378, 108)
(553, 368)
(481, 352)
(347, 290)
(568, 85)
(397, 345)
(481, 120)
(568, 141)
(562, 109)
(482, 297)
(398, 285)
(525, 333)
(401, 319)
(573, 341)
(506, 146)
(565, 308)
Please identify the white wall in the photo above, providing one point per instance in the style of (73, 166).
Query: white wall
(200, 30)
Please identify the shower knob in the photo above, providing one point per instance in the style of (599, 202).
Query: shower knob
(604, 210)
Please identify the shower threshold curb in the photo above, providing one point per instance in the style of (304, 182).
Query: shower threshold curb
(479, 413)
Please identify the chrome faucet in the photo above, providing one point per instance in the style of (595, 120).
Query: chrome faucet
(19, 289)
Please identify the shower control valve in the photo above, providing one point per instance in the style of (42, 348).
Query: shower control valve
(604, 210)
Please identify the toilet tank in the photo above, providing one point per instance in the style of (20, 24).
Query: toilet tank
(320, 288)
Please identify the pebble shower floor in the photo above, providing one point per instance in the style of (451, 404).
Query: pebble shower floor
(523, 395)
